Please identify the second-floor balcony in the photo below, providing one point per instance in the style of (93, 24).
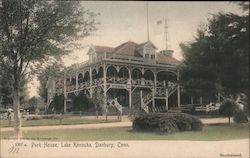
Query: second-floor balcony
(159, 85)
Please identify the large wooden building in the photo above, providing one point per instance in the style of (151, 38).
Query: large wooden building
(129, 75)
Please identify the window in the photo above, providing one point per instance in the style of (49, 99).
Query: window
(152, 56)
(147, 56)
(148, 51)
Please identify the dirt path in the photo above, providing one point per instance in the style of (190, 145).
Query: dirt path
(125, 123)
(145, 149)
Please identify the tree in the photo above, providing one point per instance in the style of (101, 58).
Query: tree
(218, 58)
(81, 102)
(52, 70)
(56, 104)
(228, 108)
(6, 89)
(33, 32)
(32, 104)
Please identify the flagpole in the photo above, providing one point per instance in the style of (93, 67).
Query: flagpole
(166, 34)
(147, 23)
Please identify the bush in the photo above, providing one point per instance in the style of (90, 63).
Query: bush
(240, 117)
(167, 122)
(228, 108)
(39, 117)
(34, 117)
(196, 124)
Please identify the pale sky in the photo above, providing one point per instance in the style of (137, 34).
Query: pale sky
(123, 21)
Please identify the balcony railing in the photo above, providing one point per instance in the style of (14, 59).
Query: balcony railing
(97, 81)
(116, 57)
(84, 84)
(117, 80)
(160, 85)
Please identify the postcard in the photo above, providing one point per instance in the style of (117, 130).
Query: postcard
(124, 79)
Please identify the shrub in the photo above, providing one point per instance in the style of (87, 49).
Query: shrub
(39, 117)
(196, 124)
(34, 117)
(167, 122)
(240, 117)
(228, 108)
(183, 121)
(50, 116)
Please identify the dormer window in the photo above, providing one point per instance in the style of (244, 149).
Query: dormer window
(152, 56)
(149, 53)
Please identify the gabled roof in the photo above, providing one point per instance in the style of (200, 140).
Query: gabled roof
(127, 48)
(145, 43)
(103, 49)
(130, 48)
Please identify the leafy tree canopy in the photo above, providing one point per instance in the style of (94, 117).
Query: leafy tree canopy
(53, 70)
(218, 58)
(33, 32)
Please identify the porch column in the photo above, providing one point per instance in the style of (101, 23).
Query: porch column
(153, 101)
(166, 98)
(192, 100)
(178, 90)
(201, 101)
(155, 81)
(130, 89)
(105, 91)
(65, 96)
(141, 98)
(130, 97)
(154, 89)
(76, 81)
(90, 82)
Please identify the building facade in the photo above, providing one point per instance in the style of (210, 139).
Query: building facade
(127, 76)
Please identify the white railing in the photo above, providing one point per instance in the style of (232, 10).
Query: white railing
(147, 98)
(145, 107)
(172, 88)
(115, 103)
(160, 84)
(161, 91)
(97, 81)
(117, 58)
(83, 85)
(117, 80)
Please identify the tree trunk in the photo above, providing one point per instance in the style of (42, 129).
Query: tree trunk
(17, 114)
(229, 121)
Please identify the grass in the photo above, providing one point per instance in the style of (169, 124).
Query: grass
(209, 133)
(65, 121)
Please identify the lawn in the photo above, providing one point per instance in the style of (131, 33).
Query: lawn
(209, 133)
(65, 121)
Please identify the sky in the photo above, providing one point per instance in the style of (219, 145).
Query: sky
(122, 21)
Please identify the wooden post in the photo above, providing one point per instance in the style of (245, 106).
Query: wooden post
(130, 98)
(219, 97)
(154, 89)
(76, 81)
(105, 91)
(166, 99)
(153, 101)
(201, 100)
(192, 100)
(65, 96)
(178, 90)
(141, 98)
(90, 82)
(130, 90)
